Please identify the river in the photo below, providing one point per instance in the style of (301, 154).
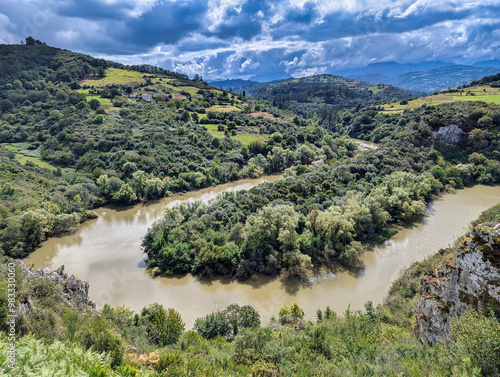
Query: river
(106, 252)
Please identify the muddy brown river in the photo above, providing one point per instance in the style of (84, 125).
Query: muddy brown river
(106, 252)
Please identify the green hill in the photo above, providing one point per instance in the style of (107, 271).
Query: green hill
(307, 95)
(486, 89)
(73, 137)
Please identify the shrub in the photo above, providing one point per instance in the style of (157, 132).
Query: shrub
(164, 327)
(97, 333)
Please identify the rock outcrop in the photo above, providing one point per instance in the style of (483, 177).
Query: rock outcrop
(76, 292)
(448, 135)
(471, 279)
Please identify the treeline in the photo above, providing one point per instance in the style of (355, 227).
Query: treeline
(493, 81)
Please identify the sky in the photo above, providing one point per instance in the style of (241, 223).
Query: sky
(259, 38)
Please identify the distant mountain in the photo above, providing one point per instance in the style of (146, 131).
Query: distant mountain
(307, 95)
(237, 85)
(487, 63)
(374, 78)
(271, 76)
(441, 78)
(391, 69)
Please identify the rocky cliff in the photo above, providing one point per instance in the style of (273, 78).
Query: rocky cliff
(76, 292)
(470, 279)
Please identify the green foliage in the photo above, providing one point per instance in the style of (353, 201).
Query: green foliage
(490, 215)
(213, 325)
(227, 323)
(290, 314)
(98, 335)
(57, 359)
(164, 326)
(477, 337)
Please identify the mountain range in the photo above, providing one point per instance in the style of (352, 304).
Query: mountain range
(422, 77)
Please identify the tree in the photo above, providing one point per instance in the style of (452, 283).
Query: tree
(212, 325)
(290, 313)
(240, 317)
(164, 327)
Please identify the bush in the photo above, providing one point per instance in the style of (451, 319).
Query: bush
(477, 337)
(164, 327)
(98, 334)
(212, 325)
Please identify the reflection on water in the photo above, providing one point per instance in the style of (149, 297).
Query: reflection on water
(106, 252)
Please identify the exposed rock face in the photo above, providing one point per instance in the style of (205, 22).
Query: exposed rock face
(448, 135)
(471, 279)
(76, 292)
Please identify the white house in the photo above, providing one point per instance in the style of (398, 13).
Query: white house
(147, 97)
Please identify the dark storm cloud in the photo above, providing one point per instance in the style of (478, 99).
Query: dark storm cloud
(242, 38)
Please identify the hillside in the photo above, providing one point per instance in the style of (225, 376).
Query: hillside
(442, 78)
(235, 85)
(77, 133)
(423, 77)
(486, 89)
(390, 69)
(306, 95)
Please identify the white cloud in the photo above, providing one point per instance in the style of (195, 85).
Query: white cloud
(5, 26)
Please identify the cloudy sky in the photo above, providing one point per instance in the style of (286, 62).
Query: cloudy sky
(244, 38)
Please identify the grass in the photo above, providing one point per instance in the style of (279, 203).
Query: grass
(35, 160)
(244, 137)
(115, 76)
(224, 108)
(23, 155)
(487, 98)
(376, 89)
(247, 138)
(479, 93)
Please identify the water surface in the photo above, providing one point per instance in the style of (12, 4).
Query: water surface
(106, 252)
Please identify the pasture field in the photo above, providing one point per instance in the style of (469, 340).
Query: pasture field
(244, 137)
(24, 155)
(35, 160)
(478, 93)
(116, 76)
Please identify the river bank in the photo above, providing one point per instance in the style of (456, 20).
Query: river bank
(106, 252)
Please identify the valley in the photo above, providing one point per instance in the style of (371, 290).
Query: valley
(289, 230)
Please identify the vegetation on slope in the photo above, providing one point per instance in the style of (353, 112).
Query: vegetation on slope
(305, 96)
(323, 209)
(65, 151)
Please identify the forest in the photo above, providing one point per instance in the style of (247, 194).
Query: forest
(324, 210)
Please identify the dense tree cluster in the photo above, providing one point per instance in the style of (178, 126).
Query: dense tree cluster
(321, 212)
